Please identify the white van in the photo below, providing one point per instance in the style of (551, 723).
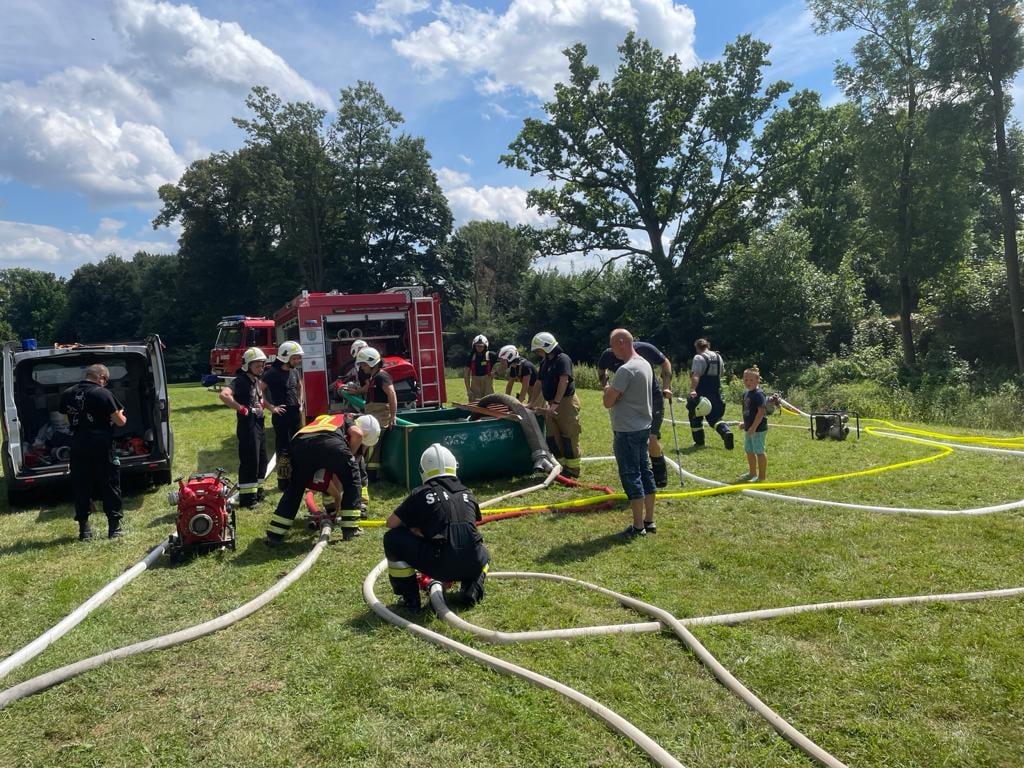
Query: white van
(36, 437)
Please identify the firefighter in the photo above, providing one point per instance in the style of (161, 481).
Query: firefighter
(519, 369)
(329, 443)
(93, 412)
(245, 395)
(706, 381)
(609, 363)
(435, 531)
(479, 370)
(562, 419)
(282, 396)
(381, 399)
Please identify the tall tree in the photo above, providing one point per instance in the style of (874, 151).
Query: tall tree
(32, 302)
(104, 302)
(501, 255)
(891, 81)
(982, 48)
(658, 164)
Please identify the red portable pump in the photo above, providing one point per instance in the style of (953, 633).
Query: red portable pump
(206, 514)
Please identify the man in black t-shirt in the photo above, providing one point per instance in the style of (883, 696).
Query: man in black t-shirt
(381, 400)
(93, 413)
(609, 363)
(434, 531)
(562, 415)
(519, 370)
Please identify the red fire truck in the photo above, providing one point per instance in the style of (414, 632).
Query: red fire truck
(402, 324)
(235, 334)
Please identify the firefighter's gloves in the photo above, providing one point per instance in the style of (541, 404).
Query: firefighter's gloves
(243, 411)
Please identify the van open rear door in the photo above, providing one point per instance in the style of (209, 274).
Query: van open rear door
(12, 457)
(162, 405)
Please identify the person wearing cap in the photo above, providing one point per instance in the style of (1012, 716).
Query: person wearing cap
(282, 396)
(479, 370)
(706, 373)
(381, 400)
(562, 414)
(245, 396)
(434, 531)
(610, 363)
(324, 459)
(93, 413)
(519, 370)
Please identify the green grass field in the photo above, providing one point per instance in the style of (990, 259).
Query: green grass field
(316, 679)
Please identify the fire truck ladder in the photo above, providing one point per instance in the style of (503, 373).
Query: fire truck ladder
(427, 349)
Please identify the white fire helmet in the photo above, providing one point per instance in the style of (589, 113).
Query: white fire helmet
(252, 355)
(508, 353)
(437, 461)
(357, 345)
(703, 407)
(480, 339)
(544, 341)
(288, 350)
(368, 355)
(370, 428)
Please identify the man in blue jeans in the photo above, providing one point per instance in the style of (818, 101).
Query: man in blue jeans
(628, 400)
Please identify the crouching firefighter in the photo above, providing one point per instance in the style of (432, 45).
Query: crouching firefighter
(328, 445)
(245, 395)
(435, 532)
(706, 385)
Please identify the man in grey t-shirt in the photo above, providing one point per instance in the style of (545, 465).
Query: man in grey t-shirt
(628, 400)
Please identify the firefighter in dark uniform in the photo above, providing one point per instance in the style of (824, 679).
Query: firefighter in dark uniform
(706, 381)
(562, 420)
(245, 395)
(329, 443)
(381, 399)
(609, 363)
(435, 532)
(93, 413)
(519, 369)
(283, 398)
(479, 370)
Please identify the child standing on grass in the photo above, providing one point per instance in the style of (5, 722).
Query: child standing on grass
(755, 426)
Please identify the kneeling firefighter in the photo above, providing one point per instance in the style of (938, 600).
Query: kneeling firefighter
(434, 531)
(328, 443)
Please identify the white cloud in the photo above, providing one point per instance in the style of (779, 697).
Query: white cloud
(390, 15)
(56, 250)
(449, 178)
(489, 203)
(174, 47)
(522, 48)
(70, 130)
(466, 159)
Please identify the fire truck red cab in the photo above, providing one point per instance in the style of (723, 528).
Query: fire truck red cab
(235, 334)
(402, 324)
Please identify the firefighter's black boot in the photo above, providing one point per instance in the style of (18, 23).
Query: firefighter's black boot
(408, 592)
(727, 436)
(473, 591)
(660, 469)
(114, 529)
(84, 531)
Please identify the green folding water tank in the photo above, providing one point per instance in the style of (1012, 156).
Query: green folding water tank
(485, 448)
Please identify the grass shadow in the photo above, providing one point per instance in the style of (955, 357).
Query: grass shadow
(224, 457)
(20, 547)
(258, 553)
(211, 406)
(581, 550)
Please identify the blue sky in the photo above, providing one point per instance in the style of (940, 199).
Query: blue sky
(104, 100)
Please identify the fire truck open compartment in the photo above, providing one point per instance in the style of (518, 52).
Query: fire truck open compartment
(384, 331)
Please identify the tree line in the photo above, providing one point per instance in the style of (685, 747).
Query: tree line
(875, 238)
